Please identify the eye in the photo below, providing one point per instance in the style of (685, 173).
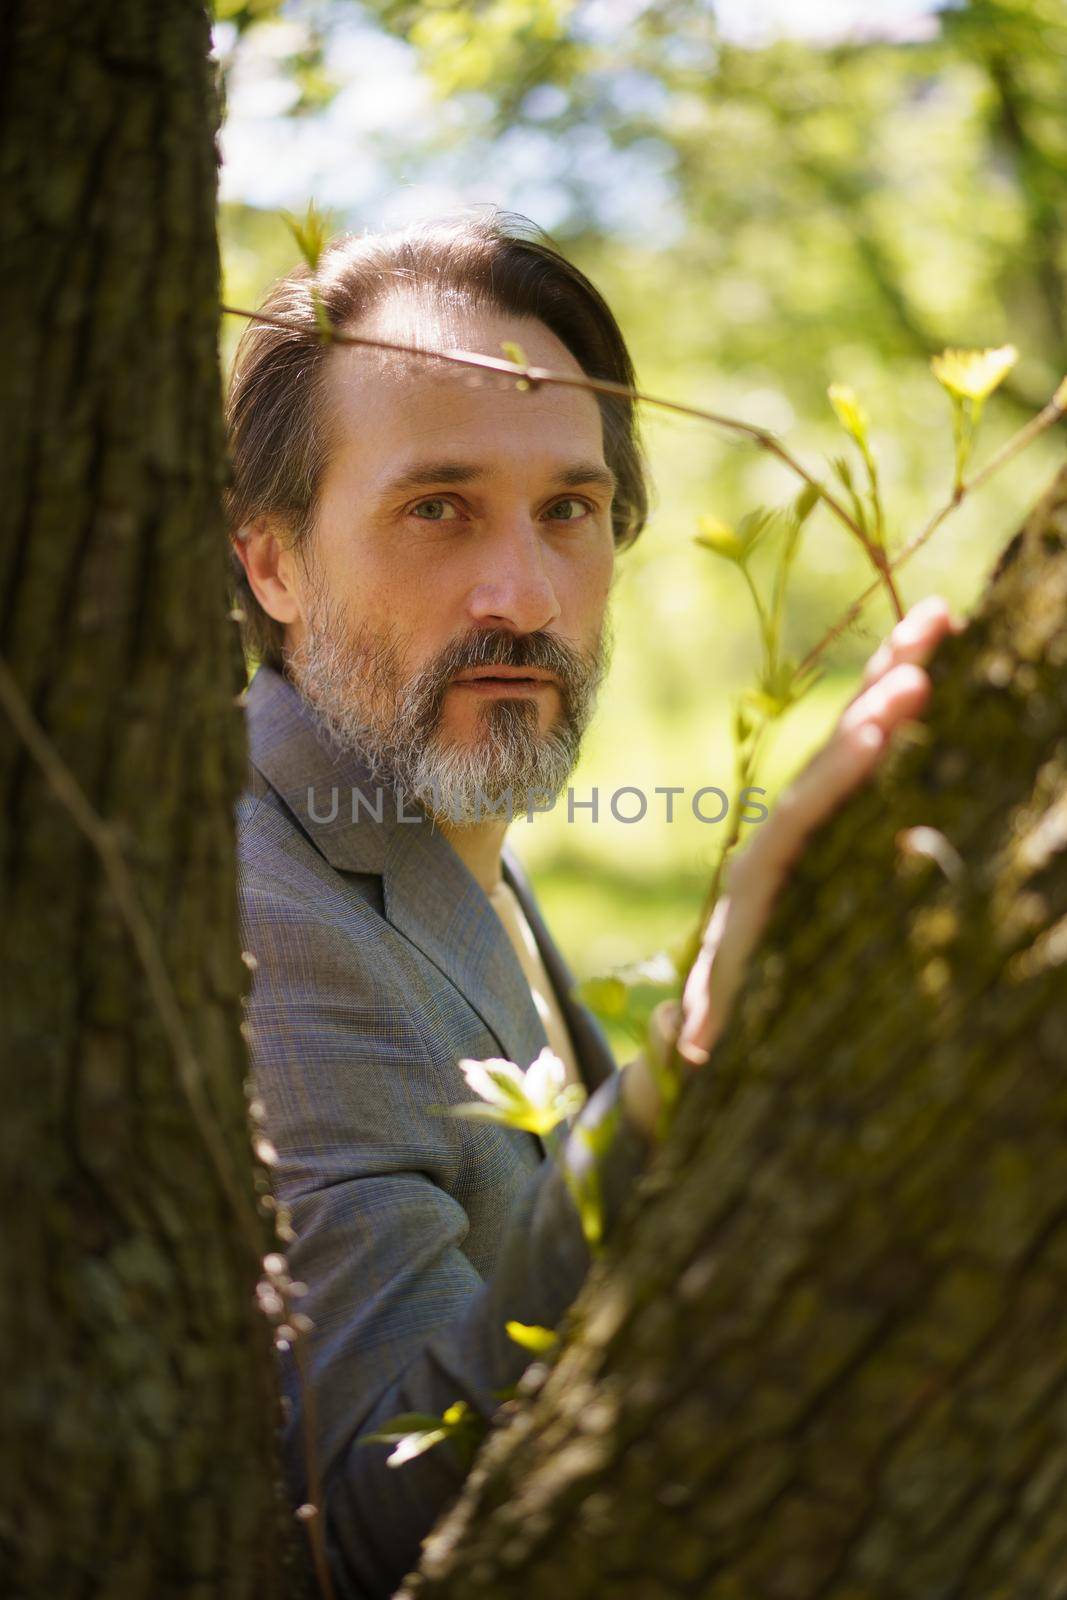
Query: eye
(572, 510)
(436, 510)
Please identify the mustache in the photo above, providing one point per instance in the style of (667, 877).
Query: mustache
(498, 648)
(577, 672)
(366, 700)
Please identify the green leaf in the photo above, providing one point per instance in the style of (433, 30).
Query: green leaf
(754, 525)
(400, 1426)
(530, 1337)
(734, 544)
(584, 1184)
(842, 470)
(805, 502)
(720, 538)
(778, 689)
(628, 995)
(606, 997)
(745, 723)
(245, 11)
(415, 1444)
(415, 1432)
(528, 1118)
(598, 1137)
(310, 233)
(973, 374)
(585, 1192)
(850, 414)
(322, 316)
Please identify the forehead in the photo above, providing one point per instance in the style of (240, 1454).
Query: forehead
(384, 407)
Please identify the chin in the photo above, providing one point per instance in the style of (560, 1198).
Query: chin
(471, 729)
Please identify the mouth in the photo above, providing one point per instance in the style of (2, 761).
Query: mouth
(504, 680)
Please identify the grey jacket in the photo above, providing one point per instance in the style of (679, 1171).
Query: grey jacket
(379, 964)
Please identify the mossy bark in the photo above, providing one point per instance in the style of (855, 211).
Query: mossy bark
(825, 1357)
(137, 1449)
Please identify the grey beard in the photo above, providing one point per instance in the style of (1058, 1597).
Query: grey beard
(509, 767)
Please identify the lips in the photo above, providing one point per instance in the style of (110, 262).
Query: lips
(496, 674)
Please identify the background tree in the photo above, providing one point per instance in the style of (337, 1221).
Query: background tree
(137, 1448)
(783, 151)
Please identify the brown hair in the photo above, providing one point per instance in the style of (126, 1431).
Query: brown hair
(277, 444)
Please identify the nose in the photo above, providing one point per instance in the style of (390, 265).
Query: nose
(514, 589)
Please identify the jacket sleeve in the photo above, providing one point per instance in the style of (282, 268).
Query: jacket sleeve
(401, 1318)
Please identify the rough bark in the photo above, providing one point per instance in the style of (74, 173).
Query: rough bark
(138, 1443)
(826, 1356)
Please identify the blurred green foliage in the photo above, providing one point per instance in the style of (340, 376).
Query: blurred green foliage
(820, 213)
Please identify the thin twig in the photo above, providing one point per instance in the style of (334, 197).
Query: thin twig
(1045, 419)
(761, 437)
(316, 1510)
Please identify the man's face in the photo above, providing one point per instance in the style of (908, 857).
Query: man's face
(463, 525)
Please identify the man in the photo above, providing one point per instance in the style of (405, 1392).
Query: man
(426, 556)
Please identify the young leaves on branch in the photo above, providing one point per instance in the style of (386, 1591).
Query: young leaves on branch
(969, 378)
(539, 1341)
(415, 1432)
(535, 1100)
(777, 686)
(867, 509)
(627, 996)
(310, 234)
(780, 683)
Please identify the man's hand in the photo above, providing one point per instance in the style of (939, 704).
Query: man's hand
(894, 689)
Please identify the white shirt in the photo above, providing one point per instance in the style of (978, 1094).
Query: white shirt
(505, 903)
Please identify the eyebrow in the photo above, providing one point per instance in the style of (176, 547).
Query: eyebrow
(577, 475)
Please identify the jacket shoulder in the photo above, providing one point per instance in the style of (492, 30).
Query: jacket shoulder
(277, 861)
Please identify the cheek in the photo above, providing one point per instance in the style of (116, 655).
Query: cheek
(371, 579)
(590, 576)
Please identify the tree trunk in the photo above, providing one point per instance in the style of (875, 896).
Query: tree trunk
(826, 1356)
(138, 1443)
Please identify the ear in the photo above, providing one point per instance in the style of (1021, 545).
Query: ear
(269, 568)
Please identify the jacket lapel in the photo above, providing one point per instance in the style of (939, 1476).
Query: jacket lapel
(434, 900)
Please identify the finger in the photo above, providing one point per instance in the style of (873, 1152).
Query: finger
(758, 876)
(843, 763)
(703, 1027)
(914, 639)
(695, 1004)
(663, 1027)
(898, 694)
